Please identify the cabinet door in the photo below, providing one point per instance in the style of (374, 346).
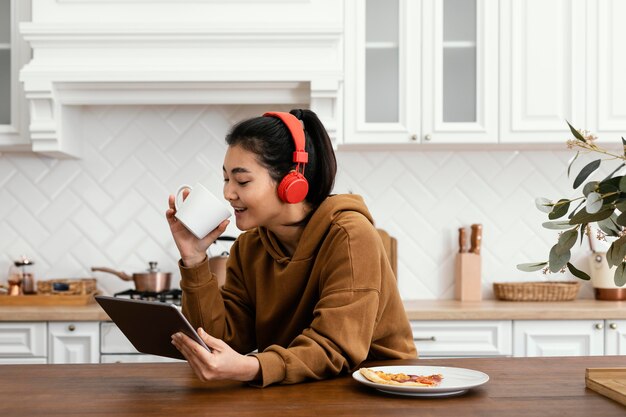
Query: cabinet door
(615, 337)
(606, 65)
(460, 71)
(14, 53)
(23, 340)
(542, 69)
(462, 338)
(382, 71)
(112, 340)
(558, 337)
(73, 342)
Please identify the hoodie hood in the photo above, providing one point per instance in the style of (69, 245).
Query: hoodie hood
(329, 212)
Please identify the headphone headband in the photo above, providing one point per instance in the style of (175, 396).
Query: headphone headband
(294, 125)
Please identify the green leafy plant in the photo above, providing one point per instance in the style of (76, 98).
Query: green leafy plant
(602, 203)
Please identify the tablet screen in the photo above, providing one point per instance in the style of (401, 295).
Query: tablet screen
(149, 325)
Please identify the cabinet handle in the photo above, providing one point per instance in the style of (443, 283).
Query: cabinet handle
(427, 137)
(425, 339)
(613, 326)
(71, 327)
(599, 326)
(414, 138)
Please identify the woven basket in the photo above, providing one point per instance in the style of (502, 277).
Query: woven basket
(81, 286)
(536, 291)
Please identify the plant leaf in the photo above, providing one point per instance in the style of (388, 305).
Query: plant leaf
(532, 267)
(568, 239)
(621, 205)
(609, 226)
(557, 225)
(617, 251)
(586, 171)
(594, 203)
(614, 171)
(575, 132)
(560, 209)
(624, 145)
(577, 272)
(583, 228)
(621, 219)
(609, 192)
(590, 187)
(574, 211)
(571, 162)
(584, 217)
(544, 204)
(620, 275)
(622, 183)
(558, 258)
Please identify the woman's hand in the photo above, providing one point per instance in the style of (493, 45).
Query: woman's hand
(222, 363)
(192, 250)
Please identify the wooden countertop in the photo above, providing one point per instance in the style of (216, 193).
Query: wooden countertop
(416, 310)
(517, 387)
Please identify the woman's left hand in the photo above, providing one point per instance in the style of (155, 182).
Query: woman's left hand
(221, 363)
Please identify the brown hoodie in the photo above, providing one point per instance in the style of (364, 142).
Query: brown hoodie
(332, 305)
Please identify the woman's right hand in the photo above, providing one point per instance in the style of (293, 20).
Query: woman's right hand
(192, 250)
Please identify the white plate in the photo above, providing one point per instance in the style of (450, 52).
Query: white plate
(455, 380)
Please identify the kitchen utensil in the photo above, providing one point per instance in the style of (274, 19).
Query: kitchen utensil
(21, 279)
(201, 211)
(462, 240)
(476, 238)
(217, 264)
(151, 281)
(603, 278)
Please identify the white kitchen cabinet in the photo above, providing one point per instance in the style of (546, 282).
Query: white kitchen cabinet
(421, 72)
(615, 337)
(116, 348)
(23, 342)
(558, 337)
(462, 338)
(14, 54)
(542, 69)
(606, 66)
(73, 342)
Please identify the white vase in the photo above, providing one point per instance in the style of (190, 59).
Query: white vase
(603, 280)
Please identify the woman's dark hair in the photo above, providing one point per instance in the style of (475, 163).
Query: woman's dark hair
(270, 140)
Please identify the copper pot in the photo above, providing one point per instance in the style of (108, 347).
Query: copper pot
(217, 264)
(150, 281)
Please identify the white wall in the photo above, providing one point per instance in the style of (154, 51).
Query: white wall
(107, 209)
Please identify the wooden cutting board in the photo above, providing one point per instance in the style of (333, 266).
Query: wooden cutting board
(610, 382)
(46, 300)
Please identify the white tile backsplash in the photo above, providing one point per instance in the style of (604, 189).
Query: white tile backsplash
(107, 209)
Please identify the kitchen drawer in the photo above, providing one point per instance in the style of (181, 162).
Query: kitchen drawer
(112, 340)
(23, 339)
(135, 359)
(23, 361)
(463, 338)
(73, 342)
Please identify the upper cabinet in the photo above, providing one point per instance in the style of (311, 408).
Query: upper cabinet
(14, 53)
(421, 71)
(483, 71)
(542, 69)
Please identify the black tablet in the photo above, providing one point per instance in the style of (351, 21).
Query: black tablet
(149, 325)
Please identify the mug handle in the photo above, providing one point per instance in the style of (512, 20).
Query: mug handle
(179, 193)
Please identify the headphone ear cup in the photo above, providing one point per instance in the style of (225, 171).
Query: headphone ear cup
(293, 188)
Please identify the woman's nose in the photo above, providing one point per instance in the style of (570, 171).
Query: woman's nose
(229, 194)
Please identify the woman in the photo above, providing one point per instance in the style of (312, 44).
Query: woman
(308, 284)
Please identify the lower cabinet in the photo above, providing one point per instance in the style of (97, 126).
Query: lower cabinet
(76, 342)
(569, 337)
(23, 342)
(463, 338)
(115, 347)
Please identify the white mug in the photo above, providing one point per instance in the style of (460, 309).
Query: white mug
(201, 211)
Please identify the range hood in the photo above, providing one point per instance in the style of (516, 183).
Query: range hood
(158, 52)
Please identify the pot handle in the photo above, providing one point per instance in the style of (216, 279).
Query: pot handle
(122, 275)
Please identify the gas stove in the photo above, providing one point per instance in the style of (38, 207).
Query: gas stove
(168, 296)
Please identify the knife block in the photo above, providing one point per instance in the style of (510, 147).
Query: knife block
(467, 277)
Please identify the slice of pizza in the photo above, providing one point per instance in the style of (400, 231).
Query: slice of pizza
(381, 377)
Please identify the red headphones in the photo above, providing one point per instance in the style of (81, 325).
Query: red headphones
(293, 188)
